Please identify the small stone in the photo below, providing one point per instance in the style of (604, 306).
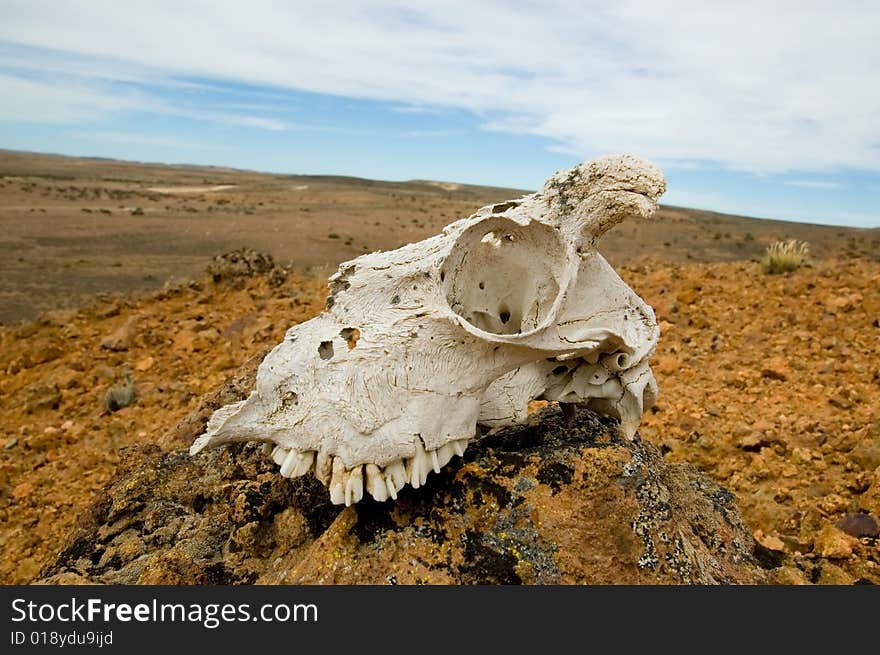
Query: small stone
(27, 569)
(223, 362)
(10, 444)
(144, 364)
(687, 297)
(787, 575)
(666, 364)
(122, 337)
(776, 368)
(866, 455)
(67, 378)
(833, 543)
(44, 350)
(752, 442)
(22, 490)
(831, 574)
(840, 401)
(859, 525)
(120, 396)
(45, 439)
(770, 541)
(172, 567)
(184, 342)
(40, 395)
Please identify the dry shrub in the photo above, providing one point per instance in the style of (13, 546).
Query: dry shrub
(786, 256)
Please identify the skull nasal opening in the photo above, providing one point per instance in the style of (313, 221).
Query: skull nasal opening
(502, 277)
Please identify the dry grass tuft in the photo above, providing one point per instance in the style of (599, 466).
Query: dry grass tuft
(786, 256)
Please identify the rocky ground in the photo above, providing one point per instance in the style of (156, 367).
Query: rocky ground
(67, 375)
(770, 385)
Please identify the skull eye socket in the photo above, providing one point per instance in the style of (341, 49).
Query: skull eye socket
(502, 277)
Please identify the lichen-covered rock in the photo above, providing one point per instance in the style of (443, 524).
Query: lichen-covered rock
(243, 262)
(554, 501)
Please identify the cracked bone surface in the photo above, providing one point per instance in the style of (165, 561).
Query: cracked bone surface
(421, 344)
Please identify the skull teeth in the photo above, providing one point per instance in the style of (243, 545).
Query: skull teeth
(347, 486)
(279, 455)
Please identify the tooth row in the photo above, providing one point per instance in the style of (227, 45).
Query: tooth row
(347, 485)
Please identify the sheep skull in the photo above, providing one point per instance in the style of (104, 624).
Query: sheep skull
(421, 344)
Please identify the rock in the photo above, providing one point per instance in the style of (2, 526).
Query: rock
(44, 350)
(184, 341)
(787, 575)
(120, 396)
(40, 395)
(687, 296)
(22, 490)
(122, 337)
(776, 368)
(866, 455)
(666, 365)
(831, 574)
(64, 579)
(144, 364)
(172, 568)
(770, 541)
(47, 438)
(833, 543)
(243, 262)
(67, 378)
(859, 525)
(545, 503)
(28, 568)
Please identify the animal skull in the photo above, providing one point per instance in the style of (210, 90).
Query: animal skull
(421, 344)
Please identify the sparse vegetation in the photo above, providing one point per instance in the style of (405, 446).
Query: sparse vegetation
(786, 256)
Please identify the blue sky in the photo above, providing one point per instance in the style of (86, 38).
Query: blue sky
(764, 109)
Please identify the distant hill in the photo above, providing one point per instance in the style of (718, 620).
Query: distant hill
(76, 227)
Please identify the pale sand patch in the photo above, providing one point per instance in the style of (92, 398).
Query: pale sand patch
(446, 186)
(191, 189)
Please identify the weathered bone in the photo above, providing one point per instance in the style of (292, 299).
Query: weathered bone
(420, 344)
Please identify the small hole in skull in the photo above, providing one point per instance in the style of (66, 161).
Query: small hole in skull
(289, 398)
(504, 315)
(482, 285)
(350, 336)
(442, 275)
(491, 240)
(325, 350)
(559, 370)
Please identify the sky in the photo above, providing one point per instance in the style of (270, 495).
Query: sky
(763, 108)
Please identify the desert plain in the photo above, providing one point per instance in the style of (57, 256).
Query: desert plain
(113, 325)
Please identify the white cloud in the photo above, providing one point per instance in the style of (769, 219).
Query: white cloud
(812, 184)
(752, 85)
(69, 100)
(36, 101)
(139, 139)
